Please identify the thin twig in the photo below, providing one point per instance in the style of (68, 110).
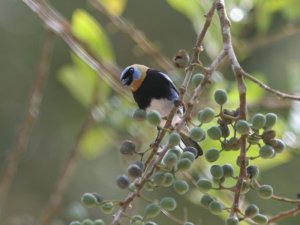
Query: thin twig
(136, 35)
(58, 24)
(31, 116)
(282, 215)
(68, 170)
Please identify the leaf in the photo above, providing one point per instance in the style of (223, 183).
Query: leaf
(190, 9)
(115, 7)
(95, 142)
(87, 29)
(81, 85)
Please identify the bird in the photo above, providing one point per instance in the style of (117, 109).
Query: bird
(154, 90)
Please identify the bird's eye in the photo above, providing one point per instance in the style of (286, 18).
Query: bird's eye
(131, 70)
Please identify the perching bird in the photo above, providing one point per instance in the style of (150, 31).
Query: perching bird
(154, 90)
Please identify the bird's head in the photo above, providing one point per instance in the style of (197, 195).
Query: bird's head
(133, 76)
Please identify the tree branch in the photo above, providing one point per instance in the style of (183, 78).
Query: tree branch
(31, 116)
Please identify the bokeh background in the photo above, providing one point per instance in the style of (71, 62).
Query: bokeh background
(266, 36)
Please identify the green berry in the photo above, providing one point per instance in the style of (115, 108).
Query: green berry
(242, 127)
(88, 199)
(206, 200)
(170, 159)
(278, 145)
(134, 171)
(266, 152)
(197, 134)
(212, 155)
(139, 114)
(204, 184)
(214, 133)
(99, 222)
(132, 187)
(215, 207)
(271, 119)
(245, 187)
(258, 121)
(127, 148)
(265, 191)
(174, 139)
(107, 207)
(220, 96)
(154, 118)
(253, 171)
(150, 223)
(75, 223)
(168, 203)
(139, 222)
(181, 186)
(184, 164)
(225, 130)
(123, 181)
(188, 155)
(176, 151)
(238, 161)
(136, 218)
(217, 171)
(158, 178)
(260, 219)
(206, 115)
(232, 221)
(168, 180)
(87, 222)
(197, 78)
(251, 211)
(228, 170)
(188, 223)
(152, 210)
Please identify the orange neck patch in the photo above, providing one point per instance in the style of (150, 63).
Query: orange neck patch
(137, 83)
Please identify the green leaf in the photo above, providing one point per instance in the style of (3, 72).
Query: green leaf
(115, 7)
(81, 85)
(95, 142)
(87, 29)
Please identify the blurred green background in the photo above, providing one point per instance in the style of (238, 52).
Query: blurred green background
(266, 36)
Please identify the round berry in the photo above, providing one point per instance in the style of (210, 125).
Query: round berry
(242, 127)
(127, 147)
(154, 118)
(212, 155)
(139, 115)
(253, 171)
(136, 218)
(197, 78)
(168, 203)
(107, 207)
(188, 223)
(220, 96)
(134, 171)
(265, 191)
(192, 150)
(152, 210)
(232, 221)
(217, 171)
(75, 223)
(150, 223)
(225, 130)
(228, 170)
(88, 199)
(266, 152)
(99, 222)
(215, 207)
(271, 119)
(174, 139)
(204, 184)
(139, 222)
(168, 180)
(197, 134)
(87, 222)
(251, 211)
(176, 151)
(206, 115)
(278, 145)
(245, 187)
(123, 181)
(206, 200)
(239, 161)
(158, 178)
(181, 186)
(188, 155)
(258, 121)
(260, 219)
(214, 133)
(170, 159)
(184, 164)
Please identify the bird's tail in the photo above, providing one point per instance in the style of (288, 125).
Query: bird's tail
(190, 143)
